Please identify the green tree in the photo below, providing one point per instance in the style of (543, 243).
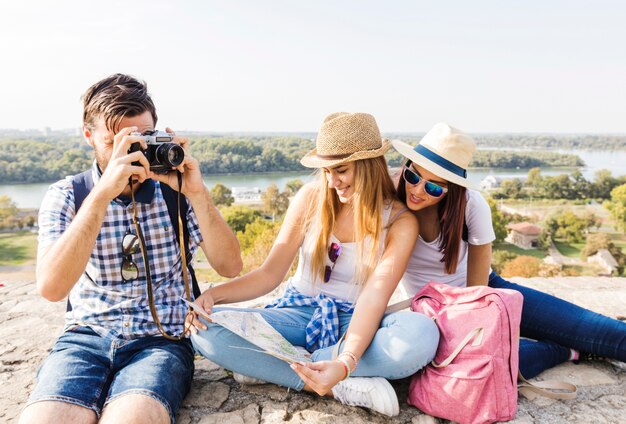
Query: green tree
(561, 187)
(498, 220)
(512, 188)
(569, 226)
(603, 184)
(274, 202)
(256, 242)
(580, 186)
(238, 217)
(8, 208)
(534, 177)
(617, 206)
(292, 186)
(222, 195)
(594, 243)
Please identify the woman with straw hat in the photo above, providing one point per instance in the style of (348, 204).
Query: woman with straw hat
(354, 240)
(454, 247)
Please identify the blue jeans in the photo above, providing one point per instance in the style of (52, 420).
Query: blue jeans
(91, 371)
(404, 343)
(555, 326)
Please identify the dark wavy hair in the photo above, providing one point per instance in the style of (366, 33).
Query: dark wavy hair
(114, 98)
(451, 212)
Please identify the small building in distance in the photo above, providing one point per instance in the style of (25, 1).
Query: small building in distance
(604, 260)
(246, 194)
(490, 182)
(524, 235)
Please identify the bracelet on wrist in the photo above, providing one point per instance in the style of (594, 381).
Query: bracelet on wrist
(351, 356)
(346, 367)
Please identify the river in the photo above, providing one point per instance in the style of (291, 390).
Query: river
(30, 195)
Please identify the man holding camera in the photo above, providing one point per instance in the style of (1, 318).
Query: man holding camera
(115, 362)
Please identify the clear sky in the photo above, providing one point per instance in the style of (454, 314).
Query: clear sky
(264, 65)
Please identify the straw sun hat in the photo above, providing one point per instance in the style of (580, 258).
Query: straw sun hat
(346, 137)
(445, 151)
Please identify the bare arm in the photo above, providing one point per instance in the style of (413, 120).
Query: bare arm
(380, 286)
(60, 266)
(266, 278)
(220, 245)
(322, 376)
(478, 264)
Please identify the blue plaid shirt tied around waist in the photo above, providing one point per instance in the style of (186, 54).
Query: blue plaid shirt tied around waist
(323, 328)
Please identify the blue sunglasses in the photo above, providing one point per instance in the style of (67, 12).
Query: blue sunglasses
(430, 188)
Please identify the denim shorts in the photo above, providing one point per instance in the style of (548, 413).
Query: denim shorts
(89, 370)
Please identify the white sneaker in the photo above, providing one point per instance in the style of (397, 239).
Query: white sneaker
(374, 393)
(249, 381)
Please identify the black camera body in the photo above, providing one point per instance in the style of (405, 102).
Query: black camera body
(162, 153)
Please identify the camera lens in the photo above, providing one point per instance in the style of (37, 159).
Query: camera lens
(170, 154)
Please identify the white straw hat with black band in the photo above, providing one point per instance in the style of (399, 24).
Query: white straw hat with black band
(445, 151)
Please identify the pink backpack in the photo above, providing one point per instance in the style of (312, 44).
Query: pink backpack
(473, 378)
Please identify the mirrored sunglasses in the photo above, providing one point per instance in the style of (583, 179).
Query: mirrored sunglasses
(430, 188)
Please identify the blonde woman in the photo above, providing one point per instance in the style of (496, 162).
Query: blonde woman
(354, 241)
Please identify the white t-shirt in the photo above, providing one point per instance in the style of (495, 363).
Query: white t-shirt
(425, 264)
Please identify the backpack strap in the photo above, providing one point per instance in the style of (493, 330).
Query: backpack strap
(171, 200)
(395, 307)
(553, 389)
(82, 184)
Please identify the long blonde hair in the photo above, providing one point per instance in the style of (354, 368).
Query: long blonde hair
(373, 188)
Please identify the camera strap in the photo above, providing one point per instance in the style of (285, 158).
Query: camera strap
(144, 253)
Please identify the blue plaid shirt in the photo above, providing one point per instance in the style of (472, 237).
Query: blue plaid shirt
(101, 299)
(323, 328)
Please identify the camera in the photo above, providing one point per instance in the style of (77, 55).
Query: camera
(162, 153)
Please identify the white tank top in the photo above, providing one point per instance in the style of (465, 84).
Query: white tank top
(341, 285)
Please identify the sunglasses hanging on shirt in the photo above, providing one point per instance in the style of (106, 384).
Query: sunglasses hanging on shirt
(130, 246)
(333, 254)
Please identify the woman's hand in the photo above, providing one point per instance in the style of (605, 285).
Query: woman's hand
(193, 322)
(321, 376)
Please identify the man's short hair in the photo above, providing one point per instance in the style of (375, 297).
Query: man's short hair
(115, 98)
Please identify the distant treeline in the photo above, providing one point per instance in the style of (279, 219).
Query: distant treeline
(539, 141)
(32, 161)
(50, 159)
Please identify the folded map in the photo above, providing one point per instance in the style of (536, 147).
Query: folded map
(252, 327)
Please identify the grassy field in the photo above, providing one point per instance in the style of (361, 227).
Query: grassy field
(17, 248)
(537, 253)
(571, 250)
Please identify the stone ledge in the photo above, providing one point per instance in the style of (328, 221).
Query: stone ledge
(29, 325)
